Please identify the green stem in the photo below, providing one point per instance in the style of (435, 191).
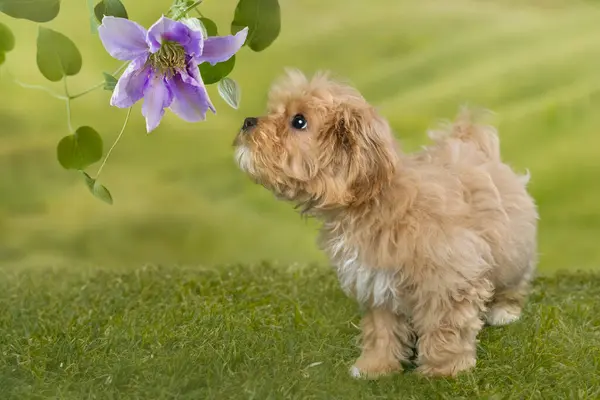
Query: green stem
(68, 102)
(187, 10)
(115, 143)
(38, 87)
(121, 67)
(98, 85)
(71, 97)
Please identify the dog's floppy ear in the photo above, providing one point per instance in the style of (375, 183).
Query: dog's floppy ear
(361, 148)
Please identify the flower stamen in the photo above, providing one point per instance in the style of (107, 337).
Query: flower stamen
(169, 59)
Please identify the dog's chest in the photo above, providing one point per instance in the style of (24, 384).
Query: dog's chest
(370, 286)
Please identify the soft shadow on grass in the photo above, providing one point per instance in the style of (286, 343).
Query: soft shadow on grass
(262, 332)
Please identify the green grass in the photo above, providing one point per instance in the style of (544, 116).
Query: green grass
(178, 193)
(262, 332)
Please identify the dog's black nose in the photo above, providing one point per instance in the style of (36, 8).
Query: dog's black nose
(249, 123)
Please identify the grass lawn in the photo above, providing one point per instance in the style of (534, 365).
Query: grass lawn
(535, 63)
(262, 332)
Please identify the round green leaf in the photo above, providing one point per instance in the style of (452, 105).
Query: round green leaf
(263, 19)
(97, 189)
(33, 10)
(57, 55)
(229, 90)
(2, 57)
(210, 26)
(7, 39)
(81, 149)
(113, 8)
(214, 73)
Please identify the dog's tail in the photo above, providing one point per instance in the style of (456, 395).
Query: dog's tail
(466, 128)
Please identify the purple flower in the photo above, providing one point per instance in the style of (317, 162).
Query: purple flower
(164, 66)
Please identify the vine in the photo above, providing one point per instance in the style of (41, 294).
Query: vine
(167, 65)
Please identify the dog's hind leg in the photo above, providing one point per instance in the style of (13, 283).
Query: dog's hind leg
(507, 303)
(387, 339)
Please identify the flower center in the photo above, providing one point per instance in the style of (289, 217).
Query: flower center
(168, 59)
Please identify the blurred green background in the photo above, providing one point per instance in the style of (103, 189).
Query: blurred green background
(179, 198)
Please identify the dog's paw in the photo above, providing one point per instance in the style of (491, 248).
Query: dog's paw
(370, 368)
(355, 372)
(448, 369)
(499, 315)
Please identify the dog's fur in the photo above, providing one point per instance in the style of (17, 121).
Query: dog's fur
(430, 244)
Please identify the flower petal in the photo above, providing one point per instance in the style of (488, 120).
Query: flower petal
(123, 39)
(157, 97)
(221, 48)
(166, 29)
(190, 98)
(132, 83)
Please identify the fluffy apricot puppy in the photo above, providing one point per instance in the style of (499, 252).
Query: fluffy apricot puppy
(430, 244)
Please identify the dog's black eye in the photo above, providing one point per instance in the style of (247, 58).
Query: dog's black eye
(299, 122)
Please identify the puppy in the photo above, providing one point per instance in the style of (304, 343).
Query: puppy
(430, 244)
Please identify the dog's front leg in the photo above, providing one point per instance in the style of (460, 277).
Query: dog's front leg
(387, 339)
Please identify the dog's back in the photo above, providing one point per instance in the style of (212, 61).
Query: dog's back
(466, 159)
